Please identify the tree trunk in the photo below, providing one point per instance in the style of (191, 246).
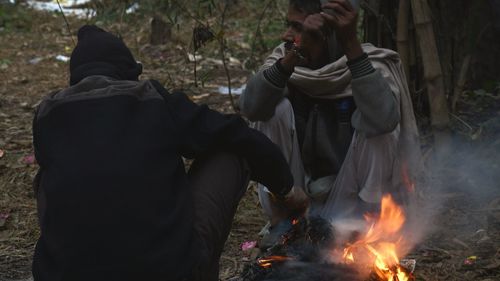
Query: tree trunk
(432, 67)
(402, 36)
(161, 31)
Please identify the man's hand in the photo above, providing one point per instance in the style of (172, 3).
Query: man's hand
(313, 37)
(293, 57)
(314, 25)
(343, 18)
(295, 203)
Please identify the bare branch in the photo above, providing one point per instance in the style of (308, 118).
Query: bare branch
(67, 23)
(223, 55)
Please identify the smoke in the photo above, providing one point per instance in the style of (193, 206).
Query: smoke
(462, 177)
(472, 168)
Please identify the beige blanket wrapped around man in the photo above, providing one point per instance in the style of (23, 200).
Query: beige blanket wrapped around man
(395, 155)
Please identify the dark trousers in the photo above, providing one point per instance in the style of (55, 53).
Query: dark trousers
(217, 182)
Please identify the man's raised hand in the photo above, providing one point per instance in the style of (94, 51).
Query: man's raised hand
(343, 18)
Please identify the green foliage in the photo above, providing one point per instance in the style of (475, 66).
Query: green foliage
(166, 8)
(14, 17)
(491, 86)
(4, 64)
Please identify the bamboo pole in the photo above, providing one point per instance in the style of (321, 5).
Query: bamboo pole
(462, 77)
(432, 67)
(402, 36)
(372, 7)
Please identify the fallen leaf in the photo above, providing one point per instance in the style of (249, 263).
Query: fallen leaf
(3, 218)
(35, 60)
(29, 159)
(62, 58)
(470, 260)
(460, 242)
(200, 96)
(248, 245)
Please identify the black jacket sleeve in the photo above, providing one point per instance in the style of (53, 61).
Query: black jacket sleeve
(202, 130)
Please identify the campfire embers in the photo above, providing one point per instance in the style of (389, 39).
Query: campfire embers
(267, 262)
(309, 252)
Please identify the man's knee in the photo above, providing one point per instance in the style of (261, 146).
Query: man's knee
(283, 109)
(385, 144)
(283, 116)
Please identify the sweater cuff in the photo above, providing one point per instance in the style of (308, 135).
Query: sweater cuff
(360, 66)
(276, 75)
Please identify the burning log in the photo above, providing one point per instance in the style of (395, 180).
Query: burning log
(299, 256)
(308, 252)
(394, 273)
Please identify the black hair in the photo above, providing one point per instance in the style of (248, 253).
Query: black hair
(306, 6)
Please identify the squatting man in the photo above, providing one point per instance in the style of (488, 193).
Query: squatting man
(339, 110)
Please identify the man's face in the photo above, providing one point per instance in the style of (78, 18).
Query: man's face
(310, 46)
(294, 23)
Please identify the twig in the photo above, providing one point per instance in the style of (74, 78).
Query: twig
(462, 121)
(188, 13)
(221, 42)
(121, 20)
(195, 71)
(185, 10)
(464, 70)
(380, 18)
(257, 30)
(67, 23)
(223, 55)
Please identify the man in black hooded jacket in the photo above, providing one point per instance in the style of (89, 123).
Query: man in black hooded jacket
(114, 199)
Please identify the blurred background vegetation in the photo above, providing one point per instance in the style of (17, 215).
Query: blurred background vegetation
(450, 48)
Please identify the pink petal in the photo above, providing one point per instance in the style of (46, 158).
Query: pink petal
(247, 245)
(29, 159)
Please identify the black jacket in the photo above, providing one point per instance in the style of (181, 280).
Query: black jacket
(112, 189)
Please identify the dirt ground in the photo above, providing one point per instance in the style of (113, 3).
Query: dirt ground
(464, 243)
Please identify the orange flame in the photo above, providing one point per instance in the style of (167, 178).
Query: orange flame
(267, 262)
(381, 242)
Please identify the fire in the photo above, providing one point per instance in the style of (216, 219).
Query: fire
(267, 262)
(380, 244)
(348, 256)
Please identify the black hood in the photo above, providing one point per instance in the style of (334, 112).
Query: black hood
(101, 53)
